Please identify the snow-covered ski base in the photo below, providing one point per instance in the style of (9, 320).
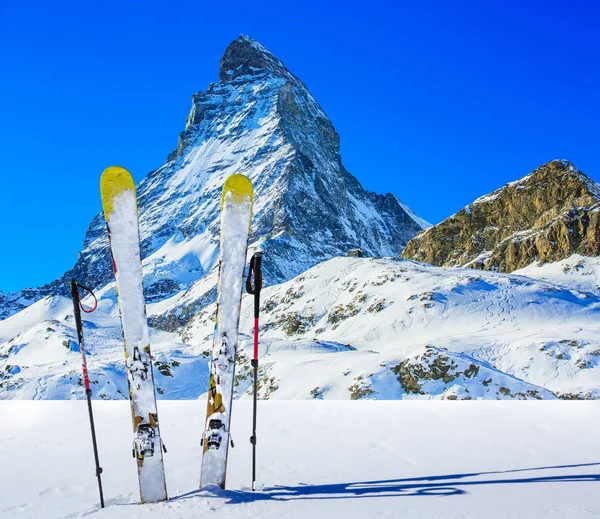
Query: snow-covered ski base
(236, 212)
(120, 210)
(435, 459)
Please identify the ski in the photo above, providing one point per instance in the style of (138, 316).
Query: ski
(236, 213)
(121, 214)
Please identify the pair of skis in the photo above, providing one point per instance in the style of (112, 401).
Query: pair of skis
(121, 214)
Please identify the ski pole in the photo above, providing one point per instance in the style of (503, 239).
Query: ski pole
(253, 286)
(77, 307)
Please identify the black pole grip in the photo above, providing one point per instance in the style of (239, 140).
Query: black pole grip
(254, 281)
(77, 310)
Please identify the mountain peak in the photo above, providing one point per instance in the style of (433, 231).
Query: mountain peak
(262, 122)
(545, 216)
(563, 173)
(246, 57)
(556, 167)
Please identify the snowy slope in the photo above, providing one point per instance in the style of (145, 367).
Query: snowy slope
(417, 460)
(17, 301)
(349, 328)
(380, 328)
(577, 271)
(39, 356)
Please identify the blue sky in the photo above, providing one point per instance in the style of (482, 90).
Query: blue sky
(437, 102)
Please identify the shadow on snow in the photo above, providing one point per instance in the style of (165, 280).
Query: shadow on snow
(443, 486)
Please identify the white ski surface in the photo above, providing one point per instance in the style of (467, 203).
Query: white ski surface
(125, 246)
(235, 219)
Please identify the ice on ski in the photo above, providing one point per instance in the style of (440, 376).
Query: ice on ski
(233, 261)
(125, 248)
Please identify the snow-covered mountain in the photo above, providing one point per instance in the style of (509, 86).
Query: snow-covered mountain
(11, 303)
(260, 121)
(332, 327)
(547, 215)
(348, 328)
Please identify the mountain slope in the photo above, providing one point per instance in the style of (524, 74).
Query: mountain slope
(348, 328)
(260, 121)
(548, 215)
(400, 329)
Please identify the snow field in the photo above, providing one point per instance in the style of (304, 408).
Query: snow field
(341, 330)
(527, 460)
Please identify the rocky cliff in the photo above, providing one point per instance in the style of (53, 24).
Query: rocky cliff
(546, 216)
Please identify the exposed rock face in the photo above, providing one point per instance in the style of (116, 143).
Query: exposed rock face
(247, 57)
(260, 121)
(546, 216)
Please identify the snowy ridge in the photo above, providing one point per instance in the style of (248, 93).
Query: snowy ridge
(392, 312)
(352, 328)
(420, 221)
(42, 361)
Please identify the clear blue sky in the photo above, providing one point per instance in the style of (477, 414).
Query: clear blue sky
(438, 102)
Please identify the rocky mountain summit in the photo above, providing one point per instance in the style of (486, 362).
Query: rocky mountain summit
(546, 216)
(260, 121)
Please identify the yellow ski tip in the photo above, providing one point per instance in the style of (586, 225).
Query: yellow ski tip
(113, 182)
(239, 187)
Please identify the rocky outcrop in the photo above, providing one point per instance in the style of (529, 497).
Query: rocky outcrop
(546, 216)
(247, 57)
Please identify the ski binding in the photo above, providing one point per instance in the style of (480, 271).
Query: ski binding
(143, 444)
(214, 437)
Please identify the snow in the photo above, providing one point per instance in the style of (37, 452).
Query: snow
(577, 271)
(338, 331)
(535, 336)
(421, 221)
(44, 309)
(426, 460)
